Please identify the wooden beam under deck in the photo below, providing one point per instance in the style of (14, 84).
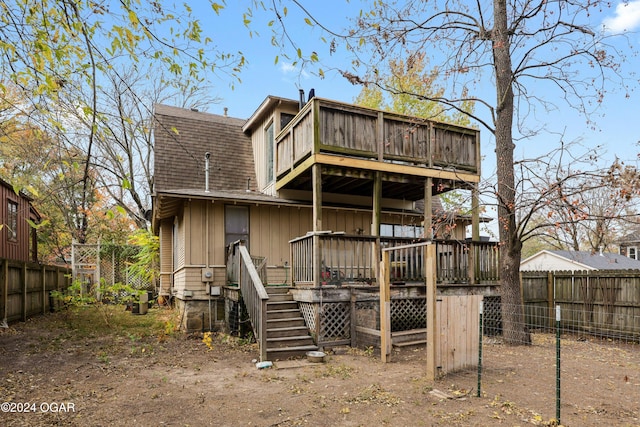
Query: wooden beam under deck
(374, 165)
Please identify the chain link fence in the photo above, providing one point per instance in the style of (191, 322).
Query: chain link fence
(561, 371)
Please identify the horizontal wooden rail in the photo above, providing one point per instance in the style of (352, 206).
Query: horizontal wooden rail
(351, 260)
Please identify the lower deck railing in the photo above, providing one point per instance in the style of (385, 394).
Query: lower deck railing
(338, 259)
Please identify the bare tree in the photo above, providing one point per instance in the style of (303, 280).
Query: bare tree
(565, 200)
(124, 152)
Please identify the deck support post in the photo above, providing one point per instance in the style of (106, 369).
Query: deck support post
(428, 208)
(385, 309)
(432, 318)
(375, 225)
(316, 173)
(475, 214)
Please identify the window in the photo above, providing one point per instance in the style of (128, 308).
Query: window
(12, 221)
(632, 252)
(268, 152)
(396, 230)
(236, 224)
(285, 118)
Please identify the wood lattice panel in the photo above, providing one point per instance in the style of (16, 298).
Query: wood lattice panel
(309, 312)
(336, 321)
(408, 314)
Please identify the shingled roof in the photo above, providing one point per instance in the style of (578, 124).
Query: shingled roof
(182, 137)
(631, 238)
(591, 260)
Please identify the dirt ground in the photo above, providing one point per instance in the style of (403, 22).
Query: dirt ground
(53, 371)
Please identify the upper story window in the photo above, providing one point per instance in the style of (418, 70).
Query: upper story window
(285, 118)
(12, 221)
(268, 151)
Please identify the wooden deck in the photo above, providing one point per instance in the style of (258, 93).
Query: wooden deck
(352, 261)
(353, 143)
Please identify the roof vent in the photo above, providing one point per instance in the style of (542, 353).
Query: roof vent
(195, 110)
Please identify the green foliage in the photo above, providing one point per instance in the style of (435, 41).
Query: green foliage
(99, 296)
(147, 258)
(406, 87)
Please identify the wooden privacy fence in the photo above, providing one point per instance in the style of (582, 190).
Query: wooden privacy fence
(596, 301)
(26, 288)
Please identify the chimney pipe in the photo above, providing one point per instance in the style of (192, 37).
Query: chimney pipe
(226, 111)
(206, 171)
(301, 103)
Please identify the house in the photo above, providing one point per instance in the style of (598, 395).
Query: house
(629, 244)
(19, 241)
(557, 260)
(314, 190)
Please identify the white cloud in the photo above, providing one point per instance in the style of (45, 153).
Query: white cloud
(626, 17)
(289, 68)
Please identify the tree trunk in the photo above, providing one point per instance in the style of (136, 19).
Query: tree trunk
(514, 329)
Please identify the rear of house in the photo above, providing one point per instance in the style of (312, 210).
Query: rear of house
(292, 171)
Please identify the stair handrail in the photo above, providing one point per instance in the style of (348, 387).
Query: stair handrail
(254, 295)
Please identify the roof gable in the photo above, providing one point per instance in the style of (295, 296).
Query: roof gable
(182, 137)
(631, 238)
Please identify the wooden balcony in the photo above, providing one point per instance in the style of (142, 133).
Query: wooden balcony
(352, 144)
(345, 260)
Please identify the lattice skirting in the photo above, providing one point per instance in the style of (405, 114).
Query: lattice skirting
(334, 317)
(309, 312)
(408, 314)
(336, 321)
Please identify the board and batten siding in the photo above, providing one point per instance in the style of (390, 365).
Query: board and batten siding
(17, 249)
(166, 257)
(199, 228)
(259, 143)
(271, 227)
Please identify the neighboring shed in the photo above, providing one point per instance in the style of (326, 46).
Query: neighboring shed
(557, 260)
(18, 240)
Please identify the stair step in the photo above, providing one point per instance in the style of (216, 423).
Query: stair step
(283, 314)
(285, 353)
(410, 343)
(409, 332)
(279, 297)
(296, 341)
(290, 331)
(285, 323)
(282, 305)
(277, 290)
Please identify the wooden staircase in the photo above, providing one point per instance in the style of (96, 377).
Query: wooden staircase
(287, 334)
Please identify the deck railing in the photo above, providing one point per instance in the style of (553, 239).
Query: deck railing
(243, 271)
(324, 126)
(352, 260)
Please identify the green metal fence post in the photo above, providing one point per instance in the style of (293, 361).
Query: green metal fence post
(480, 350)
(558, 363)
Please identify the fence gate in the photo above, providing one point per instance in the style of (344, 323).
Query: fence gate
(452, 321)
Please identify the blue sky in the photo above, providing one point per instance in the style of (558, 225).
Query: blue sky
(614, 121)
